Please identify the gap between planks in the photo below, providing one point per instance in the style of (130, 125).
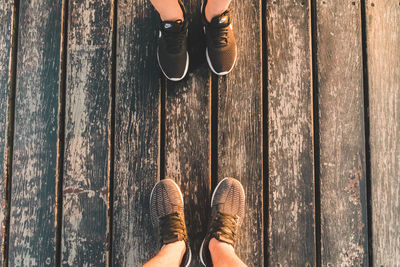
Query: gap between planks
(264, 127)
(367, 127)
(61, 130)
(315, 129)
(10, 131)
(111, 130)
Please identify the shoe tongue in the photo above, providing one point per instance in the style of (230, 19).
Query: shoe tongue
(221, 21)
(172, 26)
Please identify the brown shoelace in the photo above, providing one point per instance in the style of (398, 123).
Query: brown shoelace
(172, 228)
(224, 227)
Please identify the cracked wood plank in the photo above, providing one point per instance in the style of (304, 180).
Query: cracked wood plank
(291, 231)
(240, 127)
(136, 133)
(383, 50)
(187, 133)
(6, 9)
(85, 191)
(32, 231)
(344, 240)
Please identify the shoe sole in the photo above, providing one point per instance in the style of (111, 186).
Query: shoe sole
(180, 193)
(224, 72)
(212, 200)
(174, 79)
(201, 253)
(190, 258)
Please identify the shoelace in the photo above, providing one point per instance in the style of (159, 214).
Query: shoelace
(175, 40)
(220, 36)
(172, 226)
(225, 226)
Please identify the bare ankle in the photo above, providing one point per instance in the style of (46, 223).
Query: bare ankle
(216, 245)
(178, 246)
(169, 255)
(214, 9)
(223, 254)
(169, 10)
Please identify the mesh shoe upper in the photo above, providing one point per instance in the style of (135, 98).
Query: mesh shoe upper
(221, 44)
(167, 215)
(227, 213)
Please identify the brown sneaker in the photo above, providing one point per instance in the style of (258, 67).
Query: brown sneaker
(167, 215)
(227, 213)
(221, 51)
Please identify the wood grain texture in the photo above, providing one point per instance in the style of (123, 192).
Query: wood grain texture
(187, 134)
(240, 127)
(383, 39)
(84, 219)
(291, 240)
(344, 240)
(32, 229)
(5, 52)
(136, 133)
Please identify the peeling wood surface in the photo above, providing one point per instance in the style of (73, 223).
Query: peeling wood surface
(187, 151)
(383, 49)
(291, 231)
(136, 133)
(32, 231)
(5, 50)
(198, 110)
(86, 134)
(344, 240)
(187, 134)
(240, 127)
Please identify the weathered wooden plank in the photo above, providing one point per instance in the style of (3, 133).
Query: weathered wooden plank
(240, 126)
(32, 231)
(136, 133)
(344, 240)
(187, 134)
(5, 53)
(291, 231)
(84, 219)
(383, 50)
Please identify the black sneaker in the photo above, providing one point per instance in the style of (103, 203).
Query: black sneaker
(227, 212)
(172, 54)
(167, 214)
(221, 51)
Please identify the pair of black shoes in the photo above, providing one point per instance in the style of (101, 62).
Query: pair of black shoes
(221, 51)
(227, 213)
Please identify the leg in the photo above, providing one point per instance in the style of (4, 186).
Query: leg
(227, 213)
(215, 8)
(167, 214)
(223, 254)
(169, 255)
(169, 10)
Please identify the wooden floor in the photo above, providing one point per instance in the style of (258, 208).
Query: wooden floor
(308, 121)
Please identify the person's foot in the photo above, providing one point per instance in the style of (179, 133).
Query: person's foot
(167, 214)
(172, 54)
(227, 212)
(221, 51)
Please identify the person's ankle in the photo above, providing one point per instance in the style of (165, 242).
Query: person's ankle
(215, 245)
(173, 13)
(175, 248)
(169, 17)
(211, 13)
(177, 245)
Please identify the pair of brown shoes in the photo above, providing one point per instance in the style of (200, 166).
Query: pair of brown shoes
(227, 212)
